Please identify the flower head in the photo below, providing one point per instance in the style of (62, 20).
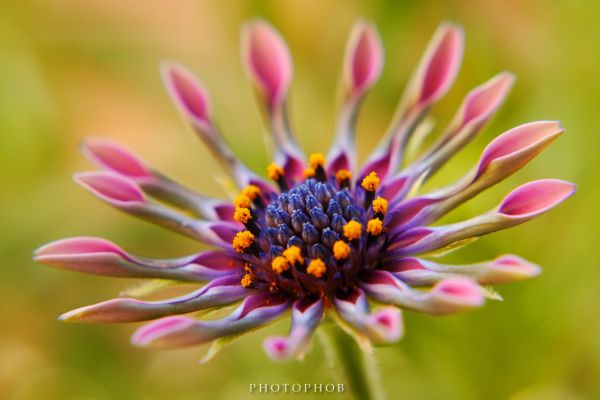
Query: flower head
(321, 236)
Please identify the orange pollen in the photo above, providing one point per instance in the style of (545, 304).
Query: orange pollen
(247, 280)
(280, 264)
(316, 268)
(274, 171)
(294, 255)
(375, 226)
(380, 205)
(316, 160)
(343, 175)
(242, 201)
(309, 172)
(353, 230)
(251, 192)
(242, 241)
(371, 182)
(341, 250)
(242, 215)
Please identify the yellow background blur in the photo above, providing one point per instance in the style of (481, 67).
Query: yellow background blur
(73, 68)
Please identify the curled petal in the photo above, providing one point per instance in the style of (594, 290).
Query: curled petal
(191, 98)
(534, 198)
(522, 204)
(383, 326)
(449, 296)
(420, 272)
(256, 310)
(440, 65)
(501, 158)
(433, 78)
(363, 59)
(116, 158)
(101, 257)
(362, 67)
(477, 108)
(306, 316)
(110, 155)
(189, 94)
(519, 141)
(219, 292)
(125, 195)
(267, 60)
(114, 189)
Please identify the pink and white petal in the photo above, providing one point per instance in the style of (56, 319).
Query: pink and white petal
(363, 59)
(306, 316)
(267, 60)
(521, 205)
(112, 156)
(420, 272)
(111, 188)
(101, 257)
(446, 297)
(477, 108)
(383, 326)
(255, 311)
(219, 292)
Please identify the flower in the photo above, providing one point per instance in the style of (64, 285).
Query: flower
(325, 235)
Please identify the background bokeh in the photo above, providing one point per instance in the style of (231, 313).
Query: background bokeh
(72, 68)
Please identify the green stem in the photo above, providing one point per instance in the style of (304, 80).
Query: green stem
(356, 367)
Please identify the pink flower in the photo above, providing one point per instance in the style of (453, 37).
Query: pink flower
(323, 236)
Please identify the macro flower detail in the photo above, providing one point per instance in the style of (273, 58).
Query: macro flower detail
(320, 237)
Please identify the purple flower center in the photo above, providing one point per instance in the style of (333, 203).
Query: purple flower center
(313, 239)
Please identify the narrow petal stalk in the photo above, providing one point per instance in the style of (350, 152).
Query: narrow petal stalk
(363, 63)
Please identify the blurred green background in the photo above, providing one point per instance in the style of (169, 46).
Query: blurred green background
(71, 68)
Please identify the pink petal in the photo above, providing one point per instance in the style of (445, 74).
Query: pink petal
(78, 245)
(459, 291)
(364, 57)
(518, 139)
(110, 187)
(267, 59)
(536, 197)
(442, 62)
(150, 332)
(516, 267)
(482, 101)
(110, 155)
(388, 323)
(187, 92)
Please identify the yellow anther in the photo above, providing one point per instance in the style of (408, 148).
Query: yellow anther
(316, 268)
(247, 280)
(380, 205)
(375, 226)
(353, 230)
(242, 201)
(316, 160)
(341, 250)
(280, 264)
(343, 175)
(274, 171)
(251, 192)
(294, 255)
(242, 241)
(309, 172)
(371, 182)
(242, 214)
